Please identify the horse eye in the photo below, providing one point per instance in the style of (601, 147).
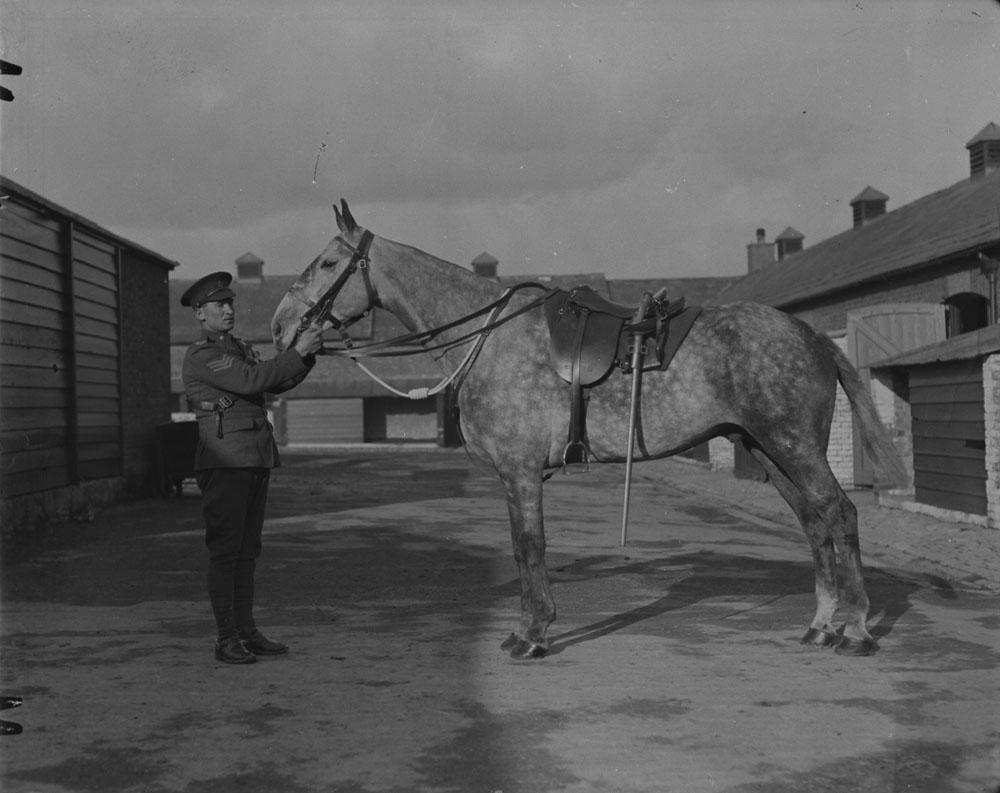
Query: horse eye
(328, 264)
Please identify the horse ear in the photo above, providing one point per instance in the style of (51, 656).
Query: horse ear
(344, 217)
(339, 217)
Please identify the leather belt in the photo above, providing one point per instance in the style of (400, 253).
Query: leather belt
(221, 404)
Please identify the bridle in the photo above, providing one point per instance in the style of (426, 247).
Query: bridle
(321, 309)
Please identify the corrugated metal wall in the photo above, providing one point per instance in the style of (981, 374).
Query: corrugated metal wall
(400, 420)
(324, 421)
(61, 395)
(949, 435)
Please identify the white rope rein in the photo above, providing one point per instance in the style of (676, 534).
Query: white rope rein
(423, 393)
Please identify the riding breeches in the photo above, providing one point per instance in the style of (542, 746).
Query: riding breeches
(233, 504)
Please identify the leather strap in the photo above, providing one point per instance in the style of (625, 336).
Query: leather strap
(576, 451)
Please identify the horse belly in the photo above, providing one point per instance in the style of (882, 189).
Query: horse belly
(677, 409)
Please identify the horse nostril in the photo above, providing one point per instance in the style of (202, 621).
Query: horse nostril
(276, 331)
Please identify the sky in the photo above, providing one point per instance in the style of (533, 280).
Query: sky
(636, 139)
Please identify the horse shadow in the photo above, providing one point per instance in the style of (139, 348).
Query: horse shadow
(710, 574)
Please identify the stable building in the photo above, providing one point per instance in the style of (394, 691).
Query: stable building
(85, 362)
(948, 394)
(896, 281)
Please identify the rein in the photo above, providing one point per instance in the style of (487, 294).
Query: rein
(412, 343)
(321, 310)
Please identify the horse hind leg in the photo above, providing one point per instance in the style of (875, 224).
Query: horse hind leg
(855, 640)
(830, 522)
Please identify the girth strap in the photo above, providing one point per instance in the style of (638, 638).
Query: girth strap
(576, 451)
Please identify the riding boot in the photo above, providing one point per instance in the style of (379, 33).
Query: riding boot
(221, 595)
(253, 640)
(228, 649)
(243, 592)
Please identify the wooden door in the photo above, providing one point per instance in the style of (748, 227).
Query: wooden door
(949, 435)
(878, 332)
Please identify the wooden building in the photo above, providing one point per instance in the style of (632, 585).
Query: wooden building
(948, 395)
(894, 282)
(85, 361)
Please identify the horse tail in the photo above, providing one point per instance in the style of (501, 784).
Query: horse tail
(873, 433)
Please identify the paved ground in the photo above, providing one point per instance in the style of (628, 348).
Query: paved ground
(675, 664)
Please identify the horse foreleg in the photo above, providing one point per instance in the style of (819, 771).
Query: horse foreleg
(527, 532)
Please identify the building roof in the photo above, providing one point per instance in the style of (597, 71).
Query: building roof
(956, 221)
(10, 187)
(990, 132)
(695, 291)
(869, 194)
(596, 280)
(978, 343)
(486, 258)
(790, 234)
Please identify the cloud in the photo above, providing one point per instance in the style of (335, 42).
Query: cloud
(207, 114)
(640, 136)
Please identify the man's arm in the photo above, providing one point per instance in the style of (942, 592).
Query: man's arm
(228, 373)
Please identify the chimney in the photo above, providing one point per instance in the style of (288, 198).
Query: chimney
(760, 254)
(868, 205)
(485, 266)
(984, 151)
(249, 269)
(788, 242)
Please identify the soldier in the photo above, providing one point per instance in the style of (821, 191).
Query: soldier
(226, 380)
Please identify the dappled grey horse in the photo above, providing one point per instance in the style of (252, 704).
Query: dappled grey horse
(744, 371)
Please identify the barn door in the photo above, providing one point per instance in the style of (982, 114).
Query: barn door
(875, 333)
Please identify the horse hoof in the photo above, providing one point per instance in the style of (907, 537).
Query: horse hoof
(525, 650)
(858, 647)
(510, 642)
(817, 637)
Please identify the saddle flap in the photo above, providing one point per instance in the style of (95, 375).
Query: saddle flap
(583, 338)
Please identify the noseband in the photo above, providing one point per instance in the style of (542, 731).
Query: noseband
(321, 310)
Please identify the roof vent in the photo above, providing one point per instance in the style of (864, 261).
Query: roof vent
(249, 269)
(868, 205)
(760, 253)
(485, 266)
(984, 151)
(788, 242)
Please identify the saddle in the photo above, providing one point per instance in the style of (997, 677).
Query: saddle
(589, 336)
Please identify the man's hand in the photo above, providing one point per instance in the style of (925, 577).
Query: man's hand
(309, 341)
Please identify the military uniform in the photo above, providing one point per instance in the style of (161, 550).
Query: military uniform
(226, 381)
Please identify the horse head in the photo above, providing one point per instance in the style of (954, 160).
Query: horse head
(328, 293)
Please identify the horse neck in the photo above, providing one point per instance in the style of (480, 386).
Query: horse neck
(425, 292)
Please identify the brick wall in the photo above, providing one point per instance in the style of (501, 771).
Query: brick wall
(721, 454)
(991, 406)
(840, 452)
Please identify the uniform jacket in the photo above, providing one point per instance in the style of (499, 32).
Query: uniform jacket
(221, 367)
